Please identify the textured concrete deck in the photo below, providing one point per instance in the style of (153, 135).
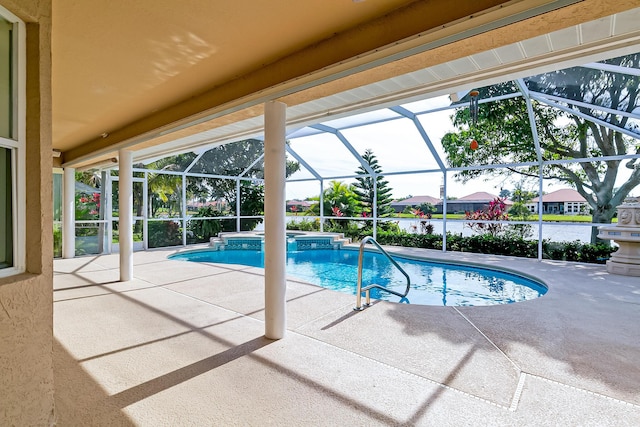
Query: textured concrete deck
(182, 344)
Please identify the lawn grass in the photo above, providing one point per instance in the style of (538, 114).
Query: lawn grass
(532, 218)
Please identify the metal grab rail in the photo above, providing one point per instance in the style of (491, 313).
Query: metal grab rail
(366, 289)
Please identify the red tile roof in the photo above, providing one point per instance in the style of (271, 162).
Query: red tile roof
(561, 196)
(479, 196)
(416, 200)
(298, 203)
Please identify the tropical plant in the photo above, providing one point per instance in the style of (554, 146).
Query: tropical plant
(87, 206)
(92, 178)
(165, 185)
(519, 211)
(425, 225)
(337, 195)
(520, 198)
(495, 211)
(204, 229)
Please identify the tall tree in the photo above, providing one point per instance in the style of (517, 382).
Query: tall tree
(368, 187)
(232, 160)
(504, 135)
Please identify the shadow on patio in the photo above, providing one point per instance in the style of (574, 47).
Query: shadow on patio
(182, 344)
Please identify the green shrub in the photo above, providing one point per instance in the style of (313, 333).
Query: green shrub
(499, 245)
(57, 241)
(203, 229)
(304, 225)
(553, 250)
(577, 251)
(164, 233)
(599, 253)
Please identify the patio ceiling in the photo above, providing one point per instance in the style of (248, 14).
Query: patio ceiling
(446, 62)
(612, 36)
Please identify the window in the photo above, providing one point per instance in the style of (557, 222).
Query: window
(12, 187)
(6, 89)
(6, 207)
(574, 207)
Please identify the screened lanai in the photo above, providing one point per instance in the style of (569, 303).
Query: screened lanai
(575, 127)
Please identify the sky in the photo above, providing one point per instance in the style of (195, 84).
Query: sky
(398, 146)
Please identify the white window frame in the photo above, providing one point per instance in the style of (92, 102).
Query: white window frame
(17, 145)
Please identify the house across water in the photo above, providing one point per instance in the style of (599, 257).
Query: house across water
(564, 202)
(469, 203)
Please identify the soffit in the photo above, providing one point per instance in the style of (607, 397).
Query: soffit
(122, 69)
(467, 62)
(115, 61)
(604, 38)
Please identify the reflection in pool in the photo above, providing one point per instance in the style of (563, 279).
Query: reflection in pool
(432, 283)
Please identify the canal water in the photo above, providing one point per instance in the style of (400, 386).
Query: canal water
(554, 231)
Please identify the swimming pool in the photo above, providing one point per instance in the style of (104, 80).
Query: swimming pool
(432, 283)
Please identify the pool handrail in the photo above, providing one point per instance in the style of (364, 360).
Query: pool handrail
(360, 289)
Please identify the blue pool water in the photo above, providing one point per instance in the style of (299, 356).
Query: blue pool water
(431, 283)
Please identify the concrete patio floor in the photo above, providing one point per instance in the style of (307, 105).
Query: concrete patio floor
(182, 345)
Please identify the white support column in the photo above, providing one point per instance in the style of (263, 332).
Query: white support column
(275, 243)
(69, 213)
(147, 213)
(184, 209)
(238, 204)
(125, 211)
(540, 208)
(321, 205)
(374, 214)
(444, 211)
(107, 183)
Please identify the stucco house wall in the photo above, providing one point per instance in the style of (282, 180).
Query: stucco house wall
(26, 300)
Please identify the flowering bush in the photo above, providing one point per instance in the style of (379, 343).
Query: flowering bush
(425, 226)
(87, 206)
(496, 211)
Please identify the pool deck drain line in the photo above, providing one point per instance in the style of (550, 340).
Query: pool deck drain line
(299, 333)
(408, 373)
(592, 393)
(518, 393)
(522, 376)
(514, 401)
(518, 369)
